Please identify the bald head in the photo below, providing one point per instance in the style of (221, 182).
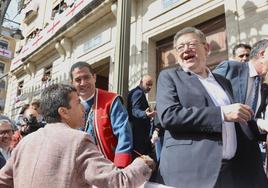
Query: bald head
(146, 83)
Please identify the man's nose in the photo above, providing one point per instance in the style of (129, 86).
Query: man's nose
(83, 82)
(244, 58)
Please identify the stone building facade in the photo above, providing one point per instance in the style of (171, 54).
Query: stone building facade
(59, 33)
(7, 48)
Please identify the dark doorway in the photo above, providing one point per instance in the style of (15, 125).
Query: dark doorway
(102, 72)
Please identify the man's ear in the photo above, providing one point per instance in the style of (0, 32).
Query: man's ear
(207, 47)
(63, 113)
(261, 53)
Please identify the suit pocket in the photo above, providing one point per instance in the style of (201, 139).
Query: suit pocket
(172, 142)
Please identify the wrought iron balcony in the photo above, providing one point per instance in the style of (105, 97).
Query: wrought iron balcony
(6, 54)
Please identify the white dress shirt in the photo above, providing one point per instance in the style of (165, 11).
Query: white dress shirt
(220, 98)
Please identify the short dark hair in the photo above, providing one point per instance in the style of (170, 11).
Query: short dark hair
(53, 97)
(23, 108)
(187, 30)
(241, 45)
(260, 45)
(35, 102)
(79, 65)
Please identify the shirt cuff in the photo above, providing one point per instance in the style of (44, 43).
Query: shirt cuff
(222, 116)
(263, 125)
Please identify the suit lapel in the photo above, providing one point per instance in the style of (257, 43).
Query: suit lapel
(225, 87)
(195, 83)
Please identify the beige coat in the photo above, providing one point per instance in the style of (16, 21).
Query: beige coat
(60, 157)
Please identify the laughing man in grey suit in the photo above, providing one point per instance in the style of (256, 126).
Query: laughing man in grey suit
(195, 108)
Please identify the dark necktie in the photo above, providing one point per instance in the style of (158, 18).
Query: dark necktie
(264, 96)
(255, 93)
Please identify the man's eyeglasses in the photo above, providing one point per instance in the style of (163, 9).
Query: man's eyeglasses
(191, 45)
(243, 55)
(8, 131)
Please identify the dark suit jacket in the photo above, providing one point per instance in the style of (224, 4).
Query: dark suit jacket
(192, 150)
(2, 160)
(249, 162)
(141, 126)
(264, 96)
(238, 74)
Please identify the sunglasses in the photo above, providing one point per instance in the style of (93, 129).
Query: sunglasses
(242, 55)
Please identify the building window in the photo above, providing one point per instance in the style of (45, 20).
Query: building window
(46, 79)
(3, 44)
(2, 68)
(20, 88)
(168, 3)
(33, 34)
(58, 9)
(31, 12)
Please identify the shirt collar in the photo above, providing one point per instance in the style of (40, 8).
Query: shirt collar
(252, 70)
(88, 99)
(210, 75)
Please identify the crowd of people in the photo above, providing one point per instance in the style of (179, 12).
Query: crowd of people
(206, 130)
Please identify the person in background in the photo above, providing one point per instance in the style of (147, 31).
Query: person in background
(31, 122)
(106, 116)
(241, 52)
(246, 79)
(35, 104)
(6, 133)
(19, 119)
(61, 156)
(140, 116)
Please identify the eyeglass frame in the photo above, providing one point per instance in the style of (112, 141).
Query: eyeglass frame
(7, 131)
(194, 44)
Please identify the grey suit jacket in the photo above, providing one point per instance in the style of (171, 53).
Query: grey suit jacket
(248, 158)
(60, 157)
(192, 149)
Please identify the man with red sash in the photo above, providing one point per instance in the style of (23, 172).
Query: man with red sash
(106, 117)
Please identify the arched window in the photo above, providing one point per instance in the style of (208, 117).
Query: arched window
(3, 44)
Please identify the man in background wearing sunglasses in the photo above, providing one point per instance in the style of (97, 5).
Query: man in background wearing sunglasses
(241, 52)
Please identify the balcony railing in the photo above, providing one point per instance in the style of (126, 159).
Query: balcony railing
(49, 31)
(5, 53)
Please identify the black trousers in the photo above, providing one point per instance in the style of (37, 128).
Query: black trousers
(225, 178)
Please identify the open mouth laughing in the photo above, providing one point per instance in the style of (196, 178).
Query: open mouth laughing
(189, 57)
